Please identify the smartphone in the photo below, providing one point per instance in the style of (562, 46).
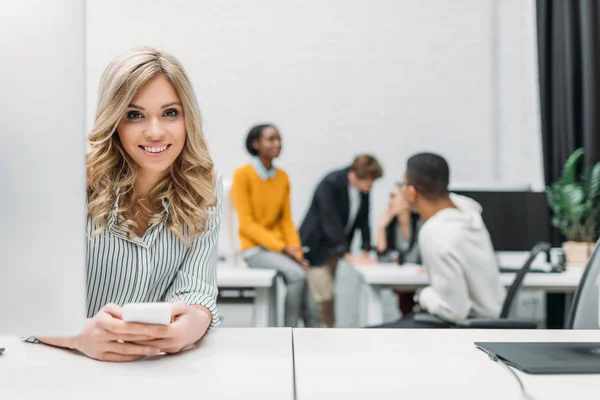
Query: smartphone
(148, 313)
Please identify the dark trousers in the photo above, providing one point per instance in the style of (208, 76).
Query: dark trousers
(406, 302)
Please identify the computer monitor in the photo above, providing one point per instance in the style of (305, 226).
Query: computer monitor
(42, 168)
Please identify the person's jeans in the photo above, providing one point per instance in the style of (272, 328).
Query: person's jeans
(298, 301)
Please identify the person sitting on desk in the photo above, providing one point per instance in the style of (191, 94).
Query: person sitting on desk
(397, 239)
(269, 239)
(153, 212)
(340, 205)
(455, 248)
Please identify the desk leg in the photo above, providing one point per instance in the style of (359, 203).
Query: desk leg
(273, 303)
(555, 310)
(371, 310)
(262, 307)
(281, 291)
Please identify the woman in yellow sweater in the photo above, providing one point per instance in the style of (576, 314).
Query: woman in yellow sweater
(269, 239)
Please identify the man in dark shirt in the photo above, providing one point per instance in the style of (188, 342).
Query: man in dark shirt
(339, 207)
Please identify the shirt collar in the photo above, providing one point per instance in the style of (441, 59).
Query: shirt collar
(264, 172)
(165, 203)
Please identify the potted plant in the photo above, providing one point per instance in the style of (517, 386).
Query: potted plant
(575, 203)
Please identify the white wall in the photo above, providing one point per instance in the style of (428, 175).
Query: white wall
(341, 77)
(42, 168)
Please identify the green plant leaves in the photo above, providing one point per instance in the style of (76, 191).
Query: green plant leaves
(575, 201)
(573, 198)
(594, 182)
(570, 168)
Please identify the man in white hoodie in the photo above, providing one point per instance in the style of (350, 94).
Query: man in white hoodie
(455, 247)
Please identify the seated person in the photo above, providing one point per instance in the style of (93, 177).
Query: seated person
(397, 239)
(455, 248)
(153, 212)
(398, 230)
(261, 196)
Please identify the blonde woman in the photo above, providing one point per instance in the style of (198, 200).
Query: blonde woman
(154, 209)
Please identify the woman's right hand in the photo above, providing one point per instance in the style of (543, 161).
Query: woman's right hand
(106, 336)
(294, 254)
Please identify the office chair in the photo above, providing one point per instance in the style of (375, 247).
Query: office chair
(494, 323)
(585, 307)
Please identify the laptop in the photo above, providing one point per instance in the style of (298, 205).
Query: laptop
(546, 357)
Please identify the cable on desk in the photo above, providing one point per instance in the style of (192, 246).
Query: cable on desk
(524, 394)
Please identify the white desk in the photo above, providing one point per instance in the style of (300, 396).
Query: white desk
(516, 259)
(413, 277)
(424, 364)
(227, 364)
(262, 281)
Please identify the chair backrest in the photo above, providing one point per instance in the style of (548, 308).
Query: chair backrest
(584, 307)
(229, 246)
(516, 285)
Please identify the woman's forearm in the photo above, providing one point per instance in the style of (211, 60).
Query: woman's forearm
(381, 240)
(58, 342)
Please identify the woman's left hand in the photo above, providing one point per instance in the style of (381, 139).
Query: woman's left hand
(189, 325)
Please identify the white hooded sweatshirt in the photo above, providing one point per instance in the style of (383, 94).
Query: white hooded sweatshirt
(461, 264)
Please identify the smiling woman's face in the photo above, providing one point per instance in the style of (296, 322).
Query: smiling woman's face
(152, 130)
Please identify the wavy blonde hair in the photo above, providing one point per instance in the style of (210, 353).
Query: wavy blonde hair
(189, 188)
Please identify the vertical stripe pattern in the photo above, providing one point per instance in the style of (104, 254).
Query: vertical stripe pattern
(156, 267)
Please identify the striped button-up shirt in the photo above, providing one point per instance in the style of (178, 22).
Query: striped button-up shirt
(157, 267)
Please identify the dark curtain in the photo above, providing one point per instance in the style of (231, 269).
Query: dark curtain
(569, 68)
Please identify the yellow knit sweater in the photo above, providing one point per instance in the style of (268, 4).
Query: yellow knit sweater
(264, 211)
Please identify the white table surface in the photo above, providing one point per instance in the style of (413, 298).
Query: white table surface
(414, 277)
(424, 364)
(227, 364)
(243, 277)
(516, 259)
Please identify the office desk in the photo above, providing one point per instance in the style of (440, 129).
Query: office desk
(424, 364)
(412, 277)
(262, 281)
(227, 364)
(516, 259)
